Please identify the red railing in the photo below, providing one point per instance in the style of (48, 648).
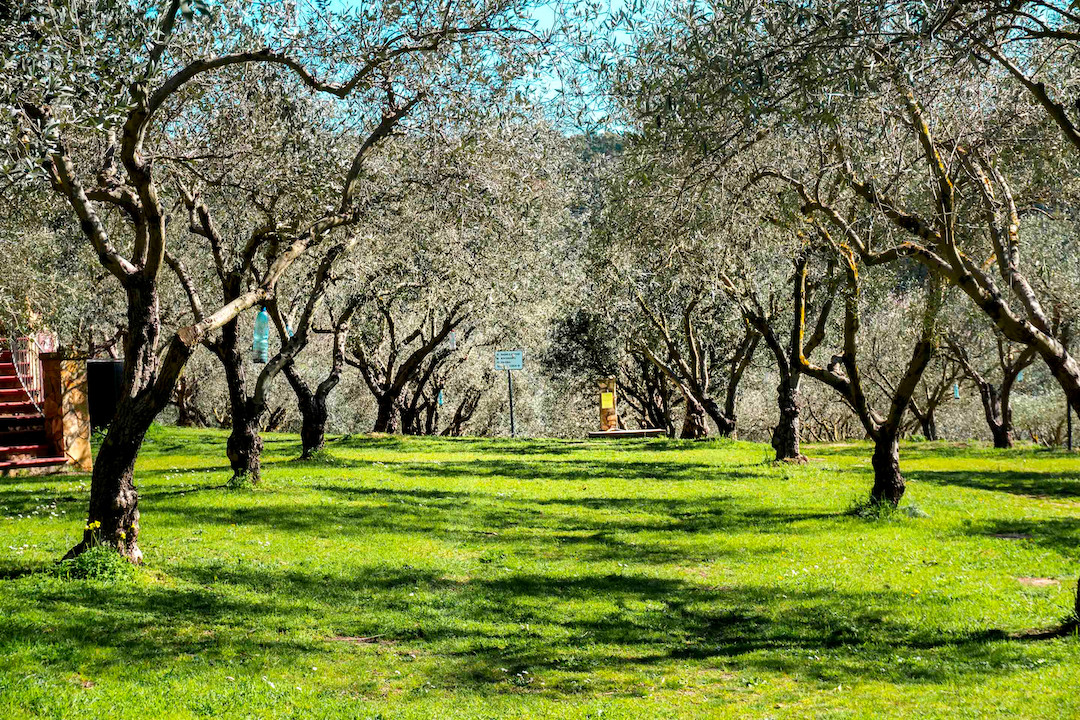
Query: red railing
(26, 356)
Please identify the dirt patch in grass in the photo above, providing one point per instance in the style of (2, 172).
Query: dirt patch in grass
(357, 640)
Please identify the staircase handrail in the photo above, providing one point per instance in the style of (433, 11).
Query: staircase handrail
(26, 357)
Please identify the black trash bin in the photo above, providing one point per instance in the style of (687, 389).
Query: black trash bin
(105, 383)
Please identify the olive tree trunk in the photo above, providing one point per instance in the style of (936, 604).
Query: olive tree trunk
(114, 501)
(785, 436)
(694, 426)
(889, 484)
(314, 413)
(313, 419)
(998, 415)
(245, 443)
(148, 387)
(725, 425)
(386, 416)
(928, 423)
(244, 446)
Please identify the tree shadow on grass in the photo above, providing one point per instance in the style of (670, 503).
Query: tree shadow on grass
(523, 446)
(517, 446)
(937, 450)
(1061, 534)
(545, 471)
(580, 471)
(482, 631)
(146, 623)
(655, 621)
(1056, 484)
(165, 442)
(464, 516)
(604, 445)
(576, 630)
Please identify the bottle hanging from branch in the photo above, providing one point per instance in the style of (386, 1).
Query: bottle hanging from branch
(260, 345)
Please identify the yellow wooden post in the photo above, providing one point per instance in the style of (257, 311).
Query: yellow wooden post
(609, 416)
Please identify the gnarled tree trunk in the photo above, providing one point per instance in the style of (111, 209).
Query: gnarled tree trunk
(409, 417)
(464, 412)
(789, 359)
(694, 426)
(313, 403)
(889, 484)
(646, 390)
(313, 413)
(245, 444)
(431, 418)
(313, 418)
(148, 386)
(725, 424)
(996, 400)
(386, 415)
(188, 413)
(740, 361)
(1000, 427)
(1002, 436)
(785, 436)
(114, 501)
(928, 423)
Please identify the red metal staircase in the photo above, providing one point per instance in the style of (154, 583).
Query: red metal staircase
(23, 441)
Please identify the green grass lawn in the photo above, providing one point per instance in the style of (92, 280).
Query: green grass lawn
(496, 578)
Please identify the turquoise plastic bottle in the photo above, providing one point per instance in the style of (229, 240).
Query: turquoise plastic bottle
(260, 345)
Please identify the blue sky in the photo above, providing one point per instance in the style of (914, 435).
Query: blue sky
(549, 83)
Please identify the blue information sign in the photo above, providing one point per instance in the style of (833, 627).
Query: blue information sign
(509, 359)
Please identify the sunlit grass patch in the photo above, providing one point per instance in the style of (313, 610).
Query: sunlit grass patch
(401, 577)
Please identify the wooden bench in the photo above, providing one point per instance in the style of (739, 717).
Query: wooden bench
(618, 434)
